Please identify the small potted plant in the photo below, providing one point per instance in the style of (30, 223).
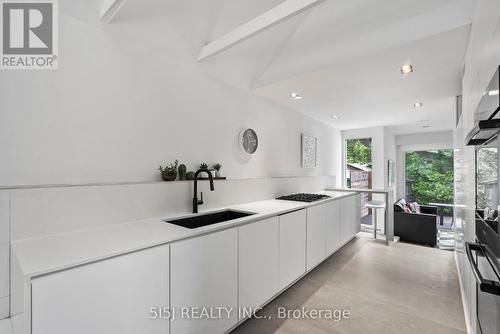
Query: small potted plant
(203, 166)
(217, 167)
(169, 173)
(182, 171)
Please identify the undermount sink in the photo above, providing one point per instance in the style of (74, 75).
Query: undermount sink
(209, 218)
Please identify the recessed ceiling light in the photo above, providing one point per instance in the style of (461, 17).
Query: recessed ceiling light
(335, 117)
(406, 69)
(418, 105)
(493, 92)
(295, 96)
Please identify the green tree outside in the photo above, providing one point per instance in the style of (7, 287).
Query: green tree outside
(430, 176)
(358, 152)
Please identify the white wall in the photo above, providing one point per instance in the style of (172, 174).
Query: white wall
(4, 253)
(383, 149)
(427, 140)
(481, 60)
(127, 97)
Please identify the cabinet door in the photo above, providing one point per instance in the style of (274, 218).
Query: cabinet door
(351, 213)
(332, 227)
(204, 275)
(292, 232)
(110, 296)
(316, 235)
(346, 219)
(356, 224)
(258, 262)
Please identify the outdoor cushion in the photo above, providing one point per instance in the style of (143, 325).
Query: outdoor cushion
(413, 207)
(417, 207)
(402, 204)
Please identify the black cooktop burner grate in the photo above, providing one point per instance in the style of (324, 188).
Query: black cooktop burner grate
(303, 197)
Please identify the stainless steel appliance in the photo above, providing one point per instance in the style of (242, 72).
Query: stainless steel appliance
(486, 115)
(484, 253)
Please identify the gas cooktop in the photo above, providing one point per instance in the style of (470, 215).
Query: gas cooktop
(303, 197)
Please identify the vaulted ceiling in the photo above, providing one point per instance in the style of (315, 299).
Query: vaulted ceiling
(341, 56)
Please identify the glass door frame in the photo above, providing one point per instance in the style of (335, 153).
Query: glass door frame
(344, 156)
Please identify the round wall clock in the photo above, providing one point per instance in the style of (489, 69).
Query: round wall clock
(249, 141)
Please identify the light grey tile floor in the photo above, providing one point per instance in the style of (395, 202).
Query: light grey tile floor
(402, 288)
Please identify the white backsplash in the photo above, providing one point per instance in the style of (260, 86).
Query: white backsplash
(4, 307)
(4, 254)
(44, 211)
(37, 212)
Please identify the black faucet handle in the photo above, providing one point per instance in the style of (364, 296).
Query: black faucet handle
(201, 200)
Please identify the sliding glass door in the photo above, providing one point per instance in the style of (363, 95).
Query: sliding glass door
(430, 181)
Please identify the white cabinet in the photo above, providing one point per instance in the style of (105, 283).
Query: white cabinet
(349, 222)
(356, 224)
(200, 278)
(332, 227)
(316, 235)
(204, 274)
(292, 232)
(258, 262)
(345, 219)
(110, 296)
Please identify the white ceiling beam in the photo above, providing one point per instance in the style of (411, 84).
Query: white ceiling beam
(273, 16)
(109, 9)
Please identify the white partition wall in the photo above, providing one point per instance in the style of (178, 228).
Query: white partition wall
(4, 254)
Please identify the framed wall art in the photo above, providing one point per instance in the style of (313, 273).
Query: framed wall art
(391, 173)
(309, 151)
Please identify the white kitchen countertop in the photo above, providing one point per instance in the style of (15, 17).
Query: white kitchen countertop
(44, 255)
(40, 256)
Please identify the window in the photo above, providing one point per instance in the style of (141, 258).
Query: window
(358, 162)
(429, 176)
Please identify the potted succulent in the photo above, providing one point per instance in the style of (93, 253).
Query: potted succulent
(217, 167)
(169, 173)
(205, 166)
(182, 171)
